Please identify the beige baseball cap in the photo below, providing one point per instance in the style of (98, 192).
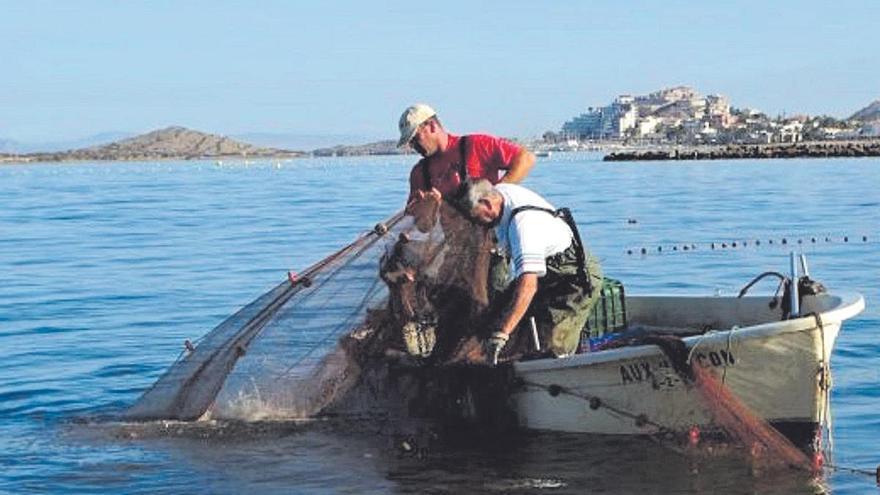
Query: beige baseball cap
(410, 121)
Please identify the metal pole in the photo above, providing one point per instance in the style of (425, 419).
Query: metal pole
(804, 270)
(535, 339)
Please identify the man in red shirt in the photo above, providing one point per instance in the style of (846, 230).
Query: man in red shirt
(448, 160)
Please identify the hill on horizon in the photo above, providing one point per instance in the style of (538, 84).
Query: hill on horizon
(177, 141)
(869, 113)
(171, 142)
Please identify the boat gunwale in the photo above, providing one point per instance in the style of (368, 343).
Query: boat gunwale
(848, 305)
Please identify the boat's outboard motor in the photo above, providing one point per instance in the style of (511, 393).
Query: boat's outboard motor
(792, 294)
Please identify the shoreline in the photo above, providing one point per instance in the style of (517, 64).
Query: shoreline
(809, 149)
(31, 159)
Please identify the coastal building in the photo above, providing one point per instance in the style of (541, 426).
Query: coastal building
(791, 131)
(718, 111)
(647, 126)
(609, 122)
(677, 113)
(681, 115)
(870, 129)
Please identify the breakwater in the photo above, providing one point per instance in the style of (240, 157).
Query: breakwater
(822, 149)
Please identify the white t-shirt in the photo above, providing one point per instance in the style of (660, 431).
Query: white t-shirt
(531, 236)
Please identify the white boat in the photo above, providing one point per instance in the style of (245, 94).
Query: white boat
(777, 367)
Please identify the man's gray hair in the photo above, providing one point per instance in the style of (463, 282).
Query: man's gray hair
(472, 191)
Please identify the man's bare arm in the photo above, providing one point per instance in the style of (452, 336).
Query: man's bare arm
(526, 286)
(520, 166)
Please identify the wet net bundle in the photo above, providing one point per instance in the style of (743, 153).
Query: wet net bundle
(298, 349)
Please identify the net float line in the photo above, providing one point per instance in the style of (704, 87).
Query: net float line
(791, 241)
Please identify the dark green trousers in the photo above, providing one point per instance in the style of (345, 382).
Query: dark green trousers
(562, 304)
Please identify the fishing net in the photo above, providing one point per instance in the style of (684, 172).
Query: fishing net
(391, 324)
(409, 290)
(765, 444)
(732, 423)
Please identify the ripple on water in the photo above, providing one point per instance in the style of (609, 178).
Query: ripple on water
(107, 269)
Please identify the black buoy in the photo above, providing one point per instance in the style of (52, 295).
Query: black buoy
(595, 403)
(845, 239)
(864, 238)
(784, 240)
(641, 420)
(733, 244)
(629, 251)
(554, 390)
(644, 251)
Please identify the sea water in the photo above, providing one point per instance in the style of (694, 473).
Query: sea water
(105, 270)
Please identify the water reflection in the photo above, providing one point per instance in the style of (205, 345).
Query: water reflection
(372, 456)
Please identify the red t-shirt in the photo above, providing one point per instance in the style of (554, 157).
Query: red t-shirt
(487, 156)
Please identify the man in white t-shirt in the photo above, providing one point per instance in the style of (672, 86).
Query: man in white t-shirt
(554, 279)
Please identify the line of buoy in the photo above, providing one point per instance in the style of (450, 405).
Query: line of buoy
(714, 246)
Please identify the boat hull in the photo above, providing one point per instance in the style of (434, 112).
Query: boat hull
(779, 369)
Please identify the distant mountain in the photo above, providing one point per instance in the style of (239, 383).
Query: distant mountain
(869, 113)
(169, 143)
(388, 147)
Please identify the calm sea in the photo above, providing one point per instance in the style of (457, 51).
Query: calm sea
(105, 269)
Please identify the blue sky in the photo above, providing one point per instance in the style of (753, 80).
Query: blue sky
(517, 68)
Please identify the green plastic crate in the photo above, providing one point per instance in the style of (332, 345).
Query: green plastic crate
(609, 313)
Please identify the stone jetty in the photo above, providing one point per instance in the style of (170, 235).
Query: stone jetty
(819, 149)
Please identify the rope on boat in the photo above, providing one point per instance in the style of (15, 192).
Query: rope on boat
(729, 344)
(595, 402)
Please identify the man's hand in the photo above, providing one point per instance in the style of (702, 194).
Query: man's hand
(432, 195)
(494, 344)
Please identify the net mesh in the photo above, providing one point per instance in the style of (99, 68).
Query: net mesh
(296, 350)
(740, 425)
(732, 422)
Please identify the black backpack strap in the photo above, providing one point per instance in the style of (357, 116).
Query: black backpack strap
(426, 175)
(565, 215)
(462, 167)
